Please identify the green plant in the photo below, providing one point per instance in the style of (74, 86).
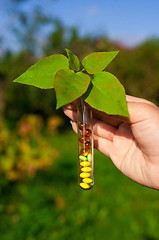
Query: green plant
(21, 151)
(72, 79)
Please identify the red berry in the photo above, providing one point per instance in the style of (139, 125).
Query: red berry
(82, 139)
(82, 125)
(87, 144)
(87, 132)
(84, 152)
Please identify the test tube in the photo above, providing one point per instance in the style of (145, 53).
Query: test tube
(85, 145)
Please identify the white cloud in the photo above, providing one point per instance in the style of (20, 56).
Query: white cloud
(92, 11)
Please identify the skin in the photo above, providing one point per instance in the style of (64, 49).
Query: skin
(131, 143)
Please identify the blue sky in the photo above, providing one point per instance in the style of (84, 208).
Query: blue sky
(129, 22)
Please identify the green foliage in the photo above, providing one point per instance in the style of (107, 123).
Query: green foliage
(42, 73)
(74, 62)
(69, 86)
(107, 94)
(21, 151)
(97, 62)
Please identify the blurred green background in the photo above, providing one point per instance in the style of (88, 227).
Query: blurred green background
(39, 195)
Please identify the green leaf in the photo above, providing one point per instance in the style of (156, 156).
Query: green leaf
(69, 86)
(98, 61)
(73, 61)
(107, 94)
(42, 73)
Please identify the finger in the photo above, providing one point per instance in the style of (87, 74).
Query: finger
(71, 114)
(102, 129)
(113, 120)
(140, 112)
(74, 127)
(141, 100)
(103, 145)
(136, 108)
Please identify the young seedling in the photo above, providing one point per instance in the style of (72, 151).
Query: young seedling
(90, 85)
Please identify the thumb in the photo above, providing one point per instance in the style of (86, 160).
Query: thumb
(141, 111)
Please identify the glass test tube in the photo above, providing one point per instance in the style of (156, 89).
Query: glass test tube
(85, 145)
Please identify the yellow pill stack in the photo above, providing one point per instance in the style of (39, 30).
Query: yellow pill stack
(85, 174)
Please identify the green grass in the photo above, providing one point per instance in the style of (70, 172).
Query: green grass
(52, 206)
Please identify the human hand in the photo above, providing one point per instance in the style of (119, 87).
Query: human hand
(131, 143)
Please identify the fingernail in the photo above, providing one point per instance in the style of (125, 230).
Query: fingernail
(71, 122)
